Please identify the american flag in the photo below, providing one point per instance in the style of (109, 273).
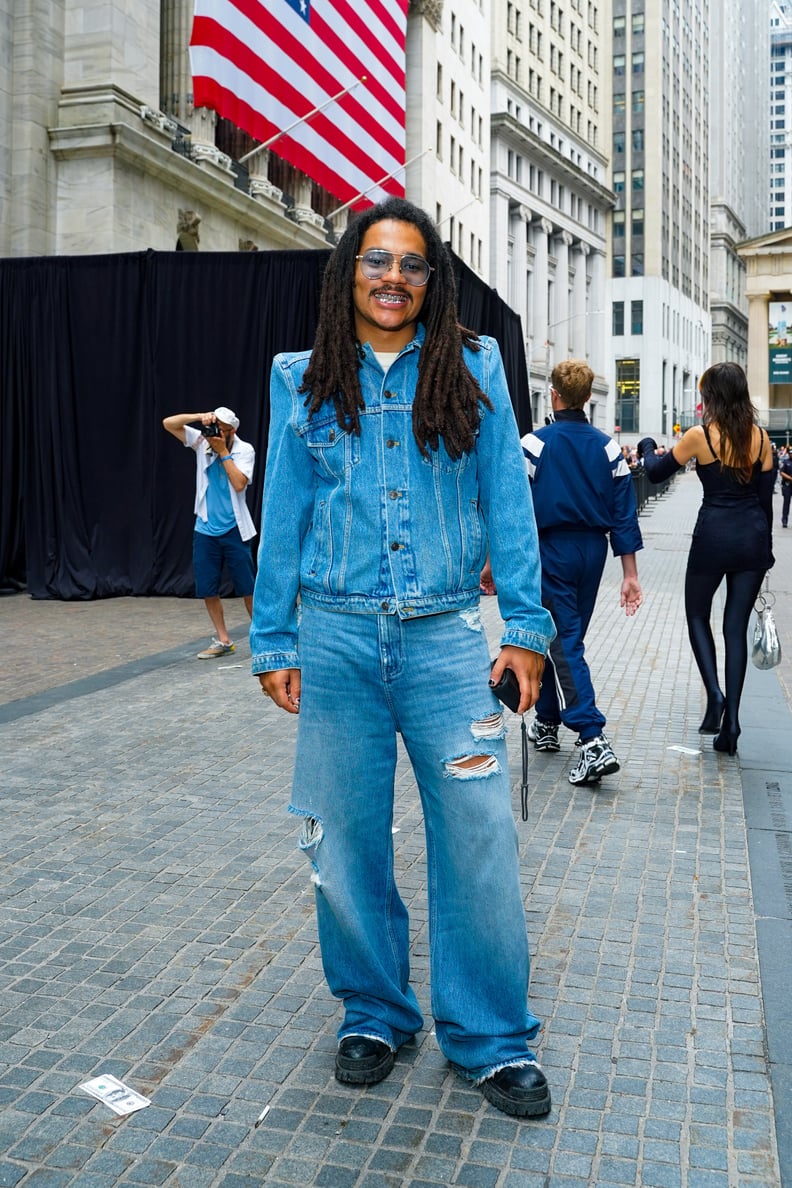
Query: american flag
(264, 64)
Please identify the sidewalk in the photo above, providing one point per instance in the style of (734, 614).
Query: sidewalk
(158, 922)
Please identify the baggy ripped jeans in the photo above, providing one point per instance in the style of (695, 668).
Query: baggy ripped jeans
(364, 678)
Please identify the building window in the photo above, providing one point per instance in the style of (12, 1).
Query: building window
(628, 394)
(637, 222)
(637, 264)
(636, 317)
(638, 140)
(618, 143)
(618, 64)
(618, 265)
(637, 102)
(618, 318)
(637, 179)
(618, 224)
(637, 63)
(618, 182)
(638, 24)
(618, 102)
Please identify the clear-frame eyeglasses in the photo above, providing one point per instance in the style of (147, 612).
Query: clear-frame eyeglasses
(376, 262)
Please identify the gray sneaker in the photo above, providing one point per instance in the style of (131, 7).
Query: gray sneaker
(596, 759)
(544, 735)
(216, 648)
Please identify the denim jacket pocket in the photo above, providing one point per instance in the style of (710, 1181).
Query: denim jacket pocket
(335, 449)
(441, 460)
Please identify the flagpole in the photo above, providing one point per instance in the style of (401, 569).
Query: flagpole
(454, 214)
(376, 184)
(302, 120)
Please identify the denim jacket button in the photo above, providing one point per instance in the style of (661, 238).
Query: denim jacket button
(390, 443)
(388, 394)
(383, 606)
(393, 494)
(395, 546)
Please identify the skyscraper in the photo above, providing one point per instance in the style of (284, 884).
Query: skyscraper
(660, 227)
(549, 200)
(780, 203)
(738, 164)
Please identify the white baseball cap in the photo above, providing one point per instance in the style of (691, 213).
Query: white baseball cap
(227, 416)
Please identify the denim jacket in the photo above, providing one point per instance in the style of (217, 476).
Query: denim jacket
(365, 524)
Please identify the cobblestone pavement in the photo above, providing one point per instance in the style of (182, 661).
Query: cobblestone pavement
(158, 923)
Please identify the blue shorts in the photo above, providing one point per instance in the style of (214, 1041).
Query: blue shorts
(209, 553)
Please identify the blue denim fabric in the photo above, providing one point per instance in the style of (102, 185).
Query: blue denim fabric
(367, 524)
(365, 678)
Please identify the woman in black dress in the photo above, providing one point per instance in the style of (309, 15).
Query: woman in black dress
(732, 537)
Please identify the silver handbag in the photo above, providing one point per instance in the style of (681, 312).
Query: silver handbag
(766, 649)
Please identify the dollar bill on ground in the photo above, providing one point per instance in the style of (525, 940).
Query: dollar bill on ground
(115, 1094)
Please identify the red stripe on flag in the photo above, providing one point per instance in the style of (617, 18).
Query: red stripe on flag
(231, 107)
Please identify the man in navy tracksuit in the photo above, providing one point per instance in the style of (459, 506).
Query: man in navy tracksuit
(583, 493)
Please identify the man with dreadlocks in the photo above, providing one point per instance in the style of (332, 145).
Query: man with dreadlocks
(391, 446)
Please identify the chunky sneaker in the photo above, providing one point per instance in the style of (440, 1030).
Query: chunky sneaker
(544, 735)
(596, 759)
(216, 648)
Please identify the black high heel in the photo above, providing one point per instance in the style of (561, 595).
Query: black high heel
(714, 715)
(726, 741)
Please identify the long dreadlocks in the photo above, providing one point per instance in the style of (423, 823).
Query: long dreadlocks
(447, 396)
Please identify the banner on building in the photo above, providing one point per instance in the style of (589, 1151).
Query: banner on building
(266, 64)
(780, 342)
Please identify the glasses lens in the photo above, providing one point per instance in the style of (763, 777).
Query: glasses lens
(415, 270)
(374, 264)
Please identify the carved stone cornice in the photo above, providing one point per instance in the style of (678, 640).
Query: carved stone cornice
(209, 154)
(430, 10)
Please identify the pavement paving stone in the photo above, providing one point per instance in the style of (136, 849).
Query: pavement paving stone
(161, 926)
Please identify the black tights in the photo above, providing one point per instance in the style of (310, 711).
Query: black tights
(741, 591)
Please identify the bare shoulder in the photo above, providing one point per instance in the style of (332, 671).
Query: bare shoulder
(693, 444)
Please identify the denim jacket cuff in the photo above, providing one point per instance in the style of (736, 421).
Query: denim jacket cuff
(519, 638)
(274, 661)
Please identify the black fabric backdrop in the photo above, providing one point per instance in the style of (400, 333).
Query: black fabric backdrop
(94, 352)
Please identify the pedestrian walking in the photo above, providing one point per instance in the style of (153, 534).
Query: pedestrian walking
(583, 496)
(732, 538)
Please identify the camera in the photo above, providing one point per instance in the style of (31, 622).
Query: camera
(211, 430)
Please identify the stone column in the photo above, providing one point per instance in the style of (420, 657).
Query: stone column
(259, 185)
(561, 334)
(176, 88)
(758, 367)
(113, 41)
(499, 240)
(518, 299)
(598, 319)
(579, 337)
(541, 313)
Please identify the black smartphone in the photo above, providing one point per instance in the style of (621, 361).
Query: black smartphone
(507, 690)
